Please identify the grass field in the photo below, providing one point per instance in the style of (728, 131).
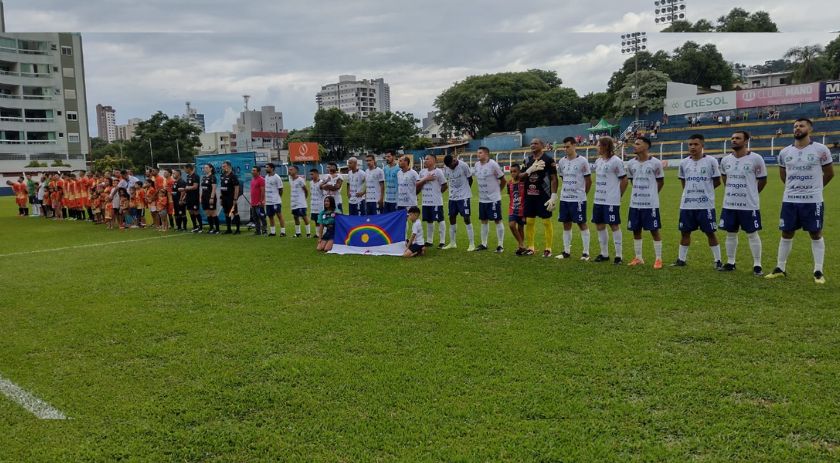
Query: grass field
(203, 348)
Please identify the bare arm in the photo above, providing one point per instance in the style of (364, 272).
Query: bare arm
(660, 182)
(554, 183)
(716, 182)
(762, 182)
(828, 173)
(783, 174)
(587, 182)
(623, 185)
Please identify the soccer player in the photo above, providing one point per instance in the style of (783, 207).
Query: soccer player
(491, 180)
(460, 195)
(699, 175)
(355, 188)
(316, 199)
(207, 198)
(433, 184)
(646, 175)
(516, 208)
(298, 194)
(577, 180)
(610, 184)
(191, 197)
(179, 200)
(809, 164)
(744, 177)
(331, 184)
(274, 200)
(229, 187)
(540, 179)
(407, 179)
(258, 202)
(391, 182)
(374, 187)
(416, 244)
(21, 195)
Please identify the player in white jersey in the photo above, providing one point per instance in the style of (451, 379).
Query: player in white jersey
(390, 171)
(805, 167)
(316, 198)
(491, 181)
(433, 184)
(648, 178)
(699, 175)
(298, 194)
(274, 200)
(374, 187)
(610, 184)
(577, 179)
(460, 196)
(331, 184)
(744, 176)
(355, 188)
(407, 188)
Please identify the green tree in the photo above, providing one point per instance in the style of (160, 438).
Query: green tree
(558, 106)
(330, 130)
(97, 143)
(740, 20)
(809, 64)
(832, 58)
(647, 61)
(300, 135)
(108, 163)
(700, 65)
(702, 25)
(652, 86)
(170, 138)
(594, 106)
(383, 130)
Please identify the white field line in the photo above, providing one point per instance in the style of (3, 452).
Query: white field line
(80, 246)
(34, 405)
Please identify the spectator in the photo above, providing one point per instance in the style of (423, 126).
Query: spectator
(720, 120)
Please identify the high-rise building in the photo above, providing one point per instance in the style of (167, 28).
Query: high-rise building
(126, 131)
(106, 123)
(258, 130)
(43, 105)
(355, 97)
(196, 118)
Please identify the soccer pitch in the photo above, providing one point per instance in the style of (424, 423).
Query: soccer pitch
(239, 348)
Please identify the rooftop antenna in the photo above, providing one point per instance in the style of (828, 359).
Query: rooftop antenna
(246, 98)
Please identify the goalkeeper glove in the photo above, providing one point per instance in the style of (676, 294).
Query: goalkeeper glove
(536, 167)
(552, 202)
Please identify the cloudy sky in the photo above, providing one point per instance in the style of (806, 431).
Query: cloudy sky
(143, 56)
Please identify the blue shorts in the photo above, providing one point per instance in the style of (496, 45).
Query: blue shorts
(389, 207)
(300, 212)
(329, 234)
(517, 219)
(731, 220)
(401, 208)
(604, 214)
(432, 213)
(313, 216)
(643, 219)
(357, 209)
(572, 212)
(273, 209)
(416, 248)
(692, 219)
(490, 211)
(459, 207)
(805, 216)
(371, 208)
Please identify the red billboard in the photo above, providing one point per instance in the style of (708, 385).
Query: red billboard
(303, 151)
(772, 96)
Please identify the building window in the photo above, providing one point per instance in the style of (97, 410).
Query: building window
(67, 51)
(72, 116)
(70, 94)
(58, 112)
(69, 72)
(53, 47)
(73, 138)
(60, 134)
(55, 68)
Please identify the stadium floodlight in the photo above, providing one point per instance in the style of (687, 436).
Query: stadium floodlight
(668, 11)
(632, 44)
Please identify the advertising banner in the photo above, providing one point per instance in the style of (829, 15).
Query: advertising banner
(771, 96)
(242, 164)
(303, 152)
(830, 90)
(720, 101)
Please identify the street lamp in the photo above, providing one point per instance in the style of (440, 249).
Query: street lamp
(632, 44)
(668, 11)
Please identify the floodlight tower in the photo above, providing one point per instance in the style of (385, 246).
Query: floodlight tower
(668, 11)
(632, 44)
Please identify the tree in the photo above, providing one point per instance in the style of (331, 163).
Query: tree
(109, 163)
(330, 131)
(171, 139)
(809, 64)
(594, 106)
(702, 25)
(700, 65)
(832, 58)
(559, 106)
(647, 61)
(383, 130)
(740, 20)
(652, 86)
(97, 143)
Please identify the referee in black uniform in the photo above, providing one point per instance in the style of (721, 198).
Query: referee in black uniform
(230, 193)
(191, 197)
(208, 198)
(179, 200)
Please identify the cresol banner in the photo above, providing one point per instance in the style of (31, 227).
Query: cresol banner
(770, 96)
(720, 101)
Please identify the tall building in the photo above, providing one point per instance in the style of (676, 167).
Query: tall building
(215, 142)
(196, 118)
(355, 97)
(126, 131)
(43, 105)
(258, 130)
(106, 123)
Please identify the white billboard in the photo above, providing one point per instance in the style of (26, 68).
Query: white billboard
(720, 101)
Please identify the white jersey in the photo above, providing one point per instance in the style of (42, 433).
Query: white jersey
(407, 188)
(488, 175)
(329, 180)
(373, 177)
(432, 196)
(417, 231)
(297, 188)
(574, 173)
(804, 182)
(273, 187)
(645, 190)
(742, 176)
(699, 175)
(608, 175)
(459, 184)
(316, 197)
(355, 180)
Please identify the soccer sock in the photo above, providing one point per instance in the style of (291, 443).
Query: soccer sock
(452, 232)
(548, 227)
(603, 238)
(683, 253)
(567, 241)
(530, 232)
(755, 248)
(308, 229)
(584, 238)
(227, 221)
(282, 230)
(171, 221)
(716, 252)
(500, 233)
(732, 247)
(442, 232)
(297, 229)
(470, 234)
(657, 249)
(618, 243)
(785, 247)
(217, 222)
(273, 230)
(485, 232)
(637, 248)
(818, 250)
(236, 221)
(430, 231)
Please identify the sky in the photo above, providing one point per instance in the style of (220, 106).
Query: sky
(144, 56)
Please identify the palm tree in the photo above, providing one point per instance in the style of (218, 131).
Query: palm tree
(808, 63)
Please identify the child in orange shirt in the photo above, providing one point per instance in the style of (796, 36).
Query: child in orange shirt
(125, 210)
(140, 200)
(151, 202)
(162, 204)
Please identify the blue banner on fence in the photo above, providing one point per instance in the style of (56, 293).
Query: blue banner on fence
(242, 164)
(378, 235)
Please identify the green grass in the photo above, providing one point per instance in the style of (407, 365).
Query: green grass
(202, 348)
